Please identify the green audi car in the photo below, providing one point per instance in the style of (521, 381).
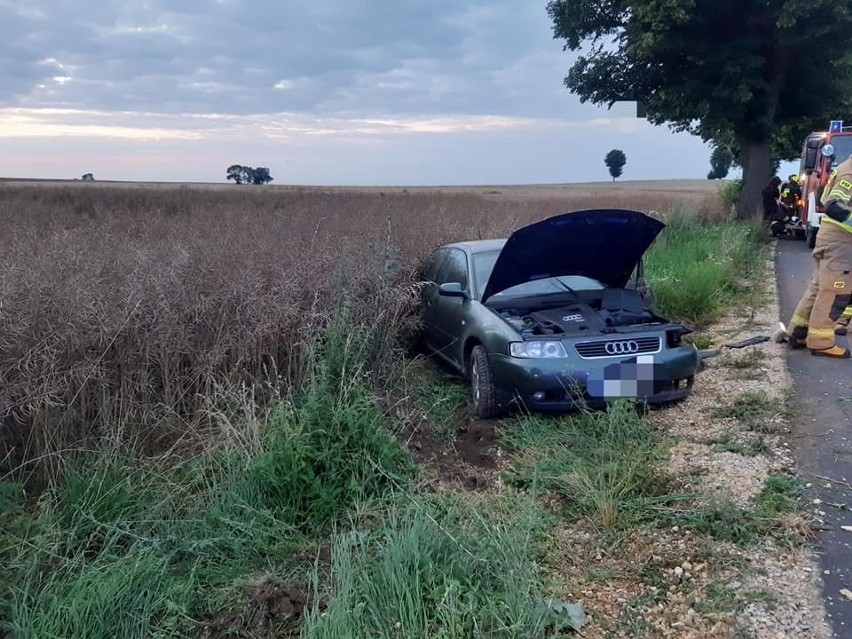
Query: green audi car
(554, 317)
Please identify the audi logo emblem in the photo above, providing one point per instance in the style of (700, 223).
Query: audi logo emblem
(621, 348)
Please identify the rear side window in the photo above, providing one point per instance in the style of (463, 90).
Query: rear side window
(433, 266)
(454, 268)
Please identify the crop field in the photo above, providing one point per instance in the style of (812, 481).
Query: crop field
(214, 423)
(139, 306)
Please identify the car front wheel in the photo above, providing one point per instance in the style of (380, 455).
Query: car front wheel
(482, 384)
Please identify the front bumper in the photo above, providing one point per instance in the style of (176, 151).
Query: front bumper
(565, 384)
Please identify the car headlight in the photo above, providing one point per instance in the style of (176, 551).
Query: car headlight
(537, 349)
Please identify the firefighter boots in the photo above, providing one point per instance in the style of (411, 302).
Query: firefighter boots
(797, 339)
(834, 351)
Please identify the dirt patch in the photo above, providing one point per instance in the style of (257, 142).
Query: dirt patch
(270, 608)
(476, 444)
(468, 460)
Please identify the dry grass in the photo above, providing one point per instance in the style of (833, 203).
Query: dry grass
(125, 310)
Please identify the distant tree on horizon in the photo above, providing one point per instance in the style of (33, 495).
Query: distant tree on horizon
(248, 175)
(615, 161)
(261, 175)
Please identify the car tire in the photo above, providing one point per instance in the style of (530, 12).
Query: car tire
(810, 236)
(482, 385)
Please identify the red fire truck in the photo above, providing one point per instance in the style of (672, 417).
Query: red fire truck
(821, 153)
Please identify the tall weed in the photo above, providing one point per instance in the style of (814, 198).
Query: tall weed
(326, 454)
(444, 569)
(126, 546)
(697, 271)
(605, 464)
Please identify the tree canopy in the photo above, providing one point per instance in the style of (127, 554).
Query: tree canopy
(753, 75)
(248, 175)
(720, 163)
(615, 161)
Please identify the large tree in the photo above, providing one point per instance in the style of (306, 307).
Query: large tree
(756, 75)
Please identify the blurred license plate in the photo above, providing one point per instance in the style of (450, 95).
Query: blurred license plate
(630, 378)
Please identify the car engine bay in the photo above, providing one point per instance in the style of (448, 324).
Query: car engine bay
(613, 311)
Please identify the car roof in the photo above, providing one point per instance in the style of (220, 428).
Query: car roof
(478, 246)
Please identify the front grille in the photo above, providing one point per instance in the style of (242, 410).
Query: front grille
(618, 347)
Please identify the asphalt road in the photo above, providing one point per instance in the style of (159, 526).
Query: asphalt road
(822, 438)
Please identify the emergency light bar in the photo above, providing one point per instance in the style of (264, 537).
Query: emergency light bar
(836, 126)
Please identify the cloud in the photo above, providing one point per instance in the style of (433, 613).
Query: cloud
(357, 91)
(298, 128)
(358, 57)
(304, 149)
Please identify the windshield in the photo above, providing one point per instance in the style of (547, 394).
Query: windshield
(483, 264)
(842, 148)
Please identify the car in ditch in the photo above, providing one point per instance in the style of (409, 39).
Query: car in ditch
(552, 319)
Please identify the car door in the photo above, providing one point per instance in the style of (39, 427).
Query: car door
(428, 296)
(449, 313)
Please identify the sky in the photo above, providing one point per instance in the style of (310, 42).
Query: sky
(322, 92)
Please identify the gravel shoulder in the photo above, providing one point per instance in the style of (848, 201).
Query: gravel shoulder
(790, 574)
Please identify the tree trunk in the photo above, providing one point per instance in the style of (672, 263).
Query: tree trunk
(756, 170)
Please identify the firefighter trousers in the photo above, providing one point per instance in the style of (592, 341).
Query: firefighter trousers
(829, 291)
(845, 317)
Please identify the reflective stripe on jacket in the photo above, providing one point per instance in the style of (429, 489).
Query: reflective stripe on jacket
(837, 196)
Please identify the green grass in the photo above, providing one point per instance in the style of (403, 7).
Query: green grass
(444, 568)
(722, 521)
(697, 270)
(750, 360)
(442, 399)
(755, 411)
(719, 598)
(700, 341)
(325, 455)
(602, 575)
(747, 525)
(780, 494)
(604, 465)
(124, 548)
(729, 443)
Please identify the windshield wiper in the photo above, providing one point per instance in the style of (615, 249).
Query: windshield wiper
(565, 286)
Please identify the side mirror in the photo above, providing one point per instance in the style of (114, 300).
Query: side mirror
(810, 159)
(452, 289)
(827, 151)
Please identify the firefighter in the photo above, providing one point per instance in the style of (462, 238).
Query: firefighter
(842, 326)
(791, 193)
(789, 205)
(770, 194)
(830, 290)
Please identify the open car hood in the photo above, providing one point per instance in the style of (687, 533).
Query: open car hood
(605, 245)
